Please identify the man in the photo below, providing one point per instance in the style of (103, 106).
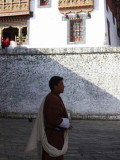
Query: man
(51, 124)
(55, 117)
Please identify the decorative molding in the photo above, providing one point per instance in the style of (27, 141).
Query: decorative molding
(13, 19)
(75, 6)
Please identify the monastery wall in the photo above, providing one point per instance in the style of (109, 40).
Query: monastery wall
(48, 27)
(91, 78)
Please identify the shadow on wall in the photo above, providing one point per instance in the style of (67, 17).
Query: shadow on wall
(24, 77)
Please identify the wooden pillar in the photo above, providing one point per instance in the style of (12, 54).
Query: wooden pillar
(19, 34)
(0, 35)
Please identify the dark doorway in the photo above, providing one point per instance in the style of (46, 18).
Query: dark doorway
(10, 33)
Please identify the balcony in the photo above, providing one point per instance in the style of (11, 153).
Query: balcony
(14, 7)
(75, 6)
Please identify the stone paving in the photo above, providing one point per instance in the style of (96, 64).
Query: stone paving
(89, 140)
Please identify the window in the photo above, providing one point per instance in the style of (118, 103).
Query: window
(44, 2)
(76, 30)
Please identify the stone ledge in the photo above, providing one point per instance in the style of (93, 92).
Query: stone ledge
(18, 115)
(50, 51)
(72, 116)
(96, 117)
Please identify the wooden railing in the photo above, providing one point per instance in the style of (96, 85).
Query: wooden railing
(14, 7)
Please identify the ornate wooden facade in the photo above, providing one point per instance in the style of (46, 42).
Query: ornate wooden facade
(14, 7)
(17, 33)
(13, 20)
(75, 6)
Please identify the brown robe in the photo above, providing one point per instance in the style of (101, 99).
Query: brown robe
(54, 111)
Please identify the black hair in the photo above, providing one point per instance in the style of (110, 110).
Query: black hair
(54, 81)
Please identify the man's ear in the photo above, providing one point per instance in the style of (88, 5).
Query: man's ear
(55, 86)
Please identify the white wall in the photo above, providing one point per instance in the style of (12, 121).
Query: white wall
(115, 40)
(47, 29)
(95, 27)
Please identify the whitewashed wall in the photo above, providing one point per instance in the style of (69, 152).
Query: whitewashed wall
(115, 40)
(47, 29)
(91, 77)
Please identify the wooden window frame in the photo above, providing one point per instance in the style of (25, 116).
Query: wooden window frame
(44, 5)
(44, 2)
(76, 30)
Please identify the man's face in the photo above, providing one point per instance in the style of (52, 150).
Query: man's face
(60, 87)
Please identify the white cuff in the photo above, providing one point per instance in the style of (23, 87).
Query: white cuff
(65, 123)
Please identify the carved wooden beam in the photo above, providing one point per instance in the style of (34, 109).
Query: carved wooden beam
(75, 6)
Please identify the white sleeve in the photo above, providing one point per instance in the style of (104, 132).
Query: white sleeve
(65, 123)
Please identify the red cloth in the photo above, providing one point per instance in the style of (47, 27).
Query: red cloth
(7, 42)
(54, 111)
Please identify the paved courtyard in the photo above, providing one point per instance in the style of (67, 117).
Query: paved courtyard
(89, 140)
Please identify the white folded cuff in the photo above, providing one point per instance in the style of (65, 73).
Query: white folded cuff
(65, 123)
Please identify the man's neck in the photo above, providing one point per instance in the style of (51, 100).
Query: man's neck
(55, 92)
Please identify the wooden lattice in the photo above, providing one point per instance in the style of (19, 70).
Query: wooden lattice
(14, 7)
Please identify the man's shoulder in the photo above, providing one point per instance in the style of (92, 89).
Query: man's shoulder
(52, 97)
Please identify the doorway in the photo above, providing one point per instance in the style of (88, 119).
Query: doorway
(10, 32)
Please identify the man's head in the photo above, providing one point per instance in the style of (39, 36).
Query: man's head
(56, 84)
